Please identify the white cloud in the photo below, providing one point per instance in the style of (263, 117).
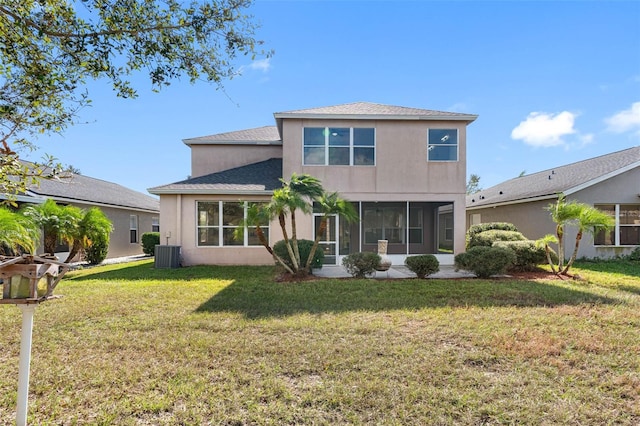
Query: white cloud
(626, 120)
(544, 129)
(263, 65)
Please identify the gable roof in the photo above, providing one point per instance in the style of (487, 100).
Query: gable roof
(88, 190)
(266, 135)
(548, 183)
(368, 110)
(256, 178)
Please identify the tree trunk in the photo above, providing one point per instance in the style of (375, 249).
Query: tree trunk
(50, 241)
(75, 249)
(574, 255)
(266, 245)
(560, 234)
(294, 238)
(283, 225)
(547, 250)
(316, 243)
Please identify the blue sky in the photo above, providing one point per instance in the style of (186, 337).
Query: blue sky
(552, 83)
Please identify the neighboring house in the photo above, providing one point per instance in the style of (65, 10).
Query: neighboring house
(132, 213)
(610, 183)
(404, 169)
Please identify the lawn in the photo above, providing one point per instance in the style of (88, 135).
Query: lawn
(131, 345)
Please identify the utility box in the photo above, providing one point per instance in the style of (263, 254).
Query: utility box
(167, 256)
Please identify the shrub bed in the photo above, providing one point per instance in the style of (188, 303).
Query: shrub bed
(485, 261)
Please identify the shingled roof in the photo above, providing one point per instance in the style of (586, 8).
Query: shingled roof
(368, 110)
(262, 177)
(85, 189)
(548, 183)
(267, 135)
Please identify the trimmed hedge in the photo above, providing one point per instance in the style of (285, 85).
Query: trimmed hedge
(528, 256)
(360, 265)
(422, 265)
(485, 261)
(487, 238)
(483, 227)
(149, 240)
(304, 247)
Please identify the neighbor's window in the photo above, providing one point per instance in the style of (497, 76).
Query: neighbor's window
(442, 145)
(133, 228)
(627, 230)
(335, 146)
(155, 224)
(215, 229)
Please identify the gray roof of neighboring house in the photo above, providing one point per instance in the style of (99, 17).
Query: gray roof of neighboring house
(267, 135)
(262, 177)
(368, 110)
(87, 190)
(548, 183)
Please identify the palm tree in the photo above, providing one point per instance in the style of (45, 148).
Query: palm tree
(54, 220)
(330, 204)
(92, 225)
(592, 221)
(545, 242)
(17, 233)
(562, 213)
(257, 214)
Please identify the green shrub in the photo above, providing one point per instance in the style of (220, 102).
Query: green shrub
(487, 238)
(304, 247)
(485, 261)
(634, 256)
(97, 251)
(360, 265)
(149, 242)
(483, 227)
(528, 256)
(422, 265)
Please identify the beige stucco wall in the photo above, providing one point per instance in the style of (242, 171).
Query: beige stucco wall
(178, 221)
(206, 159)
(535, 222)
(401, 173)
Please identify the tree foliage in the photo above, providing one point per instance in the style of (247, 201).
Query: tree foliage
(50, 49)
(473, 185)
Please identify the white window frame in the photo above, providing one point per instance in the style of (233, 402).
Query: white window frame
(618, 225)
(133, 226)
(351, 146)
(220, 226)
(155, 223)
(431, 146)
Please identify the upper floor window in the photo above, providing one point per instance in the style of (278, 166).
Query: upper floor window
(627, 229)
(442, 145)
(334, 146)
(215, 229)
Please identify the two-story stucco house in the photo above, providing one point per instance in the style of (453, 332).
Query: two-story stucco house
(403, 168)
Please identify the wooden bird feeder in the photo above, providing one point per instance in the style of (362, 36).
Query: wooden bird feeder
(29, 279)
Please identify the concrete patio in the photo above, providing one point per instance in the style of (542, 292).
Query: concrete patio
(396, 271)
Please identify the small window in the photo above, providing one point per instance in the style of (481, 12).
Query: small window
(442, 145)
(155, 224)
(133, 228)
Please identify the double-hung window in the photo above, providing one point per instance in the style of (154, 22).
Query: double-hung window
(133, 228)
(219, 220)
(339, 146)
(442, 145)
(627, 229)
